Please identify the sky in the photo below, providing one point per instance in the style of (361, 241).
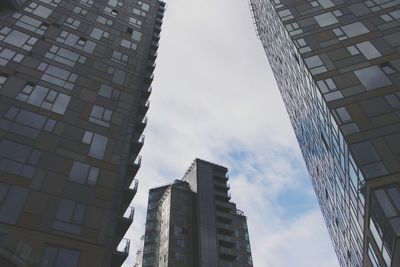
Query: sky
(215, 98)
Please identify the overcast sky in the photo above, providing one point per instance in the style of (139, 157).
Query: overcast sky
(214, 97)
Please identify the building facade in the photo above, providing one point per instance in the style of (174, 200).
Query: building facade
(75, 77)
(192, 222)
(337, 66)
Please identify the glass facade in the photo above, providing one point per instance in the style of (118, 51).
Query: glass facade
(75, 77)
(337, 67)
(192, 223)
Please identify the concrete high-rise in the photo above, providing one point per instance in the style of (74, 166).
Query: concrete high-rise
(75, 79)
(191, 222)
(337, 66)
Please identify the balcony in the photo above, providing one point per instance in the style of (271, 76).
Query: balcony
(156, 37)
(148, 77)
(137, 144)
(224, 206)
(225, 239)
(153, 54)
(146, 92)
(140, 125)
(154, 45)
(128, 194)
(227, 254)
(221, 177)
(144, 107)
(222, 195)
(121, 253)
(151, 65)
(124, 222)
(222, 186)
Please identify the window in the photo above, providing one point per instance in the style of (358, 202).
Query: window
(30, 23)
(75, 41)
(293, 28)
(135, 22)
(16, 158)
(83, 173)
(118, 75)
(137, 36)
(53, 3)
(326, 86)
(115, 3)
(350, 30)
(138, 12)
(108, 92)
(17, 38)
(119, 57)
(69, 216)
(12, 200)
(98, 34)
(366, 48)
(326, 19)
(128, 44)
(6, 55)
(104, 21)
(88, 3)
(80, 11)
(64, 56)
(59, 257)
(110, 11)
(97, 142)
(38, 10)
(26, 123)
(45, 98)
(365, 152)
(302, 45)
(73, 23)
(57, 76)
(315, 64)
(101, 116)
(144, 6)
(3, 79)
(372, 77)
(285, 14)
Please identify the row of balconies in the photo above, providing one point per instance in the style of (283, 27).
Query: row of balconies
(134, 162)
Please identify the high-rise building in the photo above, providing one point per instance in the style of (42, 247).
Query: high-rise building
(337, 66)
(75, 79)
(191, 222)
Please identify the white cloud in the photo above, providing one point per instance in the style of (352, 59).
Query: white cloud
(214, 97)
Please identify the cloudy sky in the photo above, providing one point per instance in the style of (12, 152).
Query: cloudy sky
(214, 97)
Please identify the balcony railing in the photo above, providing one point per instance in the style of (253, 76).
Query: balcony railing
(140, 125)
(137, 144)
(128, 194)
(124, 222)
(121, 253)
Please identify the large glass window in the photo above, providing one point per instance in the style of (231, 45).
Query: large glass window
(45, 98)
(372, 77)
(83, 173)
(26, 123)
(60, 257)
(75, 41)
(69, 216)
(6, 55)
(30, 23)
(57, 76)
(100, 116)
(12, 200)
(64, 56)
(17, 38)
(38, 10)
(326, 19)
(97, 142)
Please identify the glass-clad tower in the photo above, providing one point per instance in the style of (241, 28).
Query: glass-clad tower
(337, 66)
(191, 222)
(75, 79)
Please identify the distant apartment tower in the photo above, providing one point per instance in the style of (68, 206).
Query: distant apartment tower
(337, 66)
(75, 79)
(191, 222)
